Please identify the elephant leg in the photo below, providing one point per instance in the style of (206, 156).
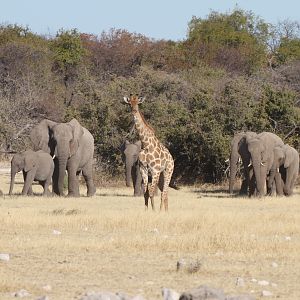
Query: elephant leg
(289, 183)
(245, 181)
(30, 192)
(29, 177)
(87, 173)
(272, 190)
(46, 185)
(73, 184)
(265, 189)
(279, 184)
(244, 187)
(55, 177)
(293, 182)
(252, 183)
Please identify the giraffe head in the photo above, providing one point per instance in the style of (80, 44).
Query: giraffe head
(134, 101)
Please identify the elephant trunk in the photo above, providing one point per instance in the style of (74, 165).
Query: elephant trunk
(258, 176)
(62, 164)
(129, 173)
(233, 169)
(12, 181)
(271, 177)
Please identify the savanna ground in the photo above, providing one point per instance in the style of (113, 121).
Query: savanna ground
(110, 243)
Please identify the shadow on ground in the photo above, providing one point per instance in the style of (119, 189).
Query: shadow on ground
(116, 195)
(220, 192)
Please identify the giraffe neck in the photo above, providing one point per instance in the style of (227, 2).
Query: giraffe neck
(145, 132)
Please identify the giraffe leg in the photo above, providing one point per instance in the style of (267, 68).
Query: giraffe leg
(144, 173)
(152, 186)
(161, 182)
(164, 195)
(146, 197)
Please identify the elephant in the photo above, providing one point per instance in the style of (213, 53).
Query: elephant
(72, 145)
(239, 149)
(36, 166)
(261, 150)
(284, 169)
(130, 153)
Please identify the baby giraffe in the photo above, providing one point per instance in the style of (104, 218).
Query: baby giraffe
(154, 156)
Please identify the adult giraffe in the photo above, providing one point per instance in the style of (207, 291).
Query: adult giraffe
(154, 156)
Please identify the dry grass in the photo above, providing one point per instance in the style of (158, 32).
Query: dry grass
(110, 243)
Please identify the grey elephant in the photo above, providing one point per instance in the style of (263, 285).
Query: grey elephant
(36, 166)
(261, 150)
(130, 153)
(239, 150)
(285, 169)
(73, 148)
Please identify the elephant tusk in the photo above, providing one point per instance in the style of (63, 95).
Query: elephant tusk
(53, 156)
(227, 160)
(277, 170)
(250, 164)
(263, 164)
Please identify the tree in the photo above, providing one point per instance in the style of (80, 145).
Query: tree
(284, 42)
(67, 48)
(68, 53)
(239, 36)
(116, 52)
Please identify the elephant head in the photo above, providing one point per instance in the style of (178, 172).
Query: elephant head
(261, 149)
(61, 140)
(259, 157)
(131, 155)
(239, 149)
(21, 161)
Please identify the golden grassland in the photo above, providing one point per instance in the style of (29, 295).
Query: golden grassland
(110, 243)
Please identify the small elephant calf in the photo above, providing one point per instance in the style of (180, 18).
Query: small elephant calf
(36, 166)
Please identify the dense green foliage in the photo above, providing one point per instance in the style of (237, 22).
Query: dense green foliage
(223, 78)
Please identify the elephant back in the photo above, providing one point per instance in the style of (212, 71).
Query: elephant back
(271, 139)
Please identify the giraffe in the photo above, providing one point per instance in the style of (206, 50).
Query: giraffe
(154, 156)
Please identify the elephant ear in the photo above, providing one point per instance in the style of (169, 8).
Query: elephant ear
(265, 154)
(77, 134)
(289, 155)
(41, 138)
(29, 162)
(138, 144)
(123, 146)
(278, 154)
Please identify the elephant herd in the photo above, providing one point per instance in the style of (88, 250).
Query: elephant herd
(57, 148)
(269, 166)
